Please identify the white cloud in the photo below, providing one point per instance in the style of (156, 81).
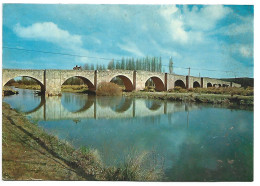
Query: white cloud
(190, 25)
(175, 24)
(205, 18)
(131, 47)
(236, 29)
(50, 32)
(246, 51)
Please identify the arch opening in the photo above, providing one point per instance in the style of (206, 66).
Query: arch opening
(155, 83)
(196, 84)
(77, 84)
(216, 85)
(225, 85)
(209, 85)
(179, 83)
(123, 82)
(30, 94)
(25, 82)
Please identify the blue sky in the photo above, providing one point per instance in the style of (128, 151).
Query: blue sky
(213, 37)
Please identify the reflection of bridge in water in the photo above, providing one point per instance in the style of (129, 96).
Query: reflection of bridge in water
(57, 108)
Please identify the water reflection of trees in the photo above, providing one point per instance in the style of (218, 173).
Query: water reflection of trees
(222, 159)
(153, 104)
(108, 101)
(123, 106)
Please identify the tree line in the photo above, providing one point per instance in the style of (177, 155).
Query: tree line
(153, 64)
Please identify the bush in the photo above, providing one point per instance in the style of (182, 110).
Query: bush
(144, 166)
(108, 89)
(178, 89)
(149, 89)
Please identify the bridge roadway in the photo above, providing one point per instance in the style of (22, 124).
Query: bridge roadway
(53, 108)
(52, 80)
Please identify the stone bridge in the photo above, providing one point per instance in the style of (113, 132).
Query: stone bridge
(52, 80)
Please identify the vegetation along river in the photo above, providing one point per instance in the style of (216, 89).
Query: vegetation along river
(191, 142)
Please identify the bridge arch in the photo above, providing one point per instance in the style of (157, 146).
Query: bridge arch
(179, 83)
(35, 79)
(217, 85)
(225, 85)
(127, 82)
(158, 82)
(209, 85)
(90, 85)
(196, 84)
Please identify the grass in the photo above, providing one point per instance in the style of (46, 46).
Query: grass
(137, 167)
(23, 86)
(249, 91)
(74, 88)
(197, 97)
(29, 153)
(108, 89)
(221, 95)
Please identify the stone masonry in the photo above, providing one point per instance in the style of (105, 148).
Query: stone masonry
(51, 80)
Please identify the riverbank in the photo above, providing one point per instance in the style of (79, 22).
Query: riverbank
(7, 91)
(29, 153)
(196, 97)
(23, 86)
(74, 88)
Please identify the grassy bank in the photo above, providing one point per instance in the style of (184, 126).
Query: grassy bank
(23, 86)
(249, 91)
(196, 97)
(74, 88)
(7, 91)
(29, 153)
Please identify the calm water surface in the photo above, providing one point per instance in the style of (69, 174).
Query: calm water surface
(194, 142)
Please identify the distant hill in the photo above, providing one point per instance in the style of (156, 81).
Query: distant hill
(245, 82)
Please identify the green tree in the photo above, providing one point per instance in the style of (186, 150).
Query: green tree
(171, 66)
(92, 67)
(123, 65)
(111, 65)
(118, 66)
(86, 67)
(160, 64)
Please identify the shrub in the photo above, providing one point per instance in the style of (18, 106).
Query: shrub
(108, 89)
(143, 166)
(179, 89)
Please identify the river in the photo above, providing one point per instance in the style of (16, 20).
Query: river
(193, 142)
